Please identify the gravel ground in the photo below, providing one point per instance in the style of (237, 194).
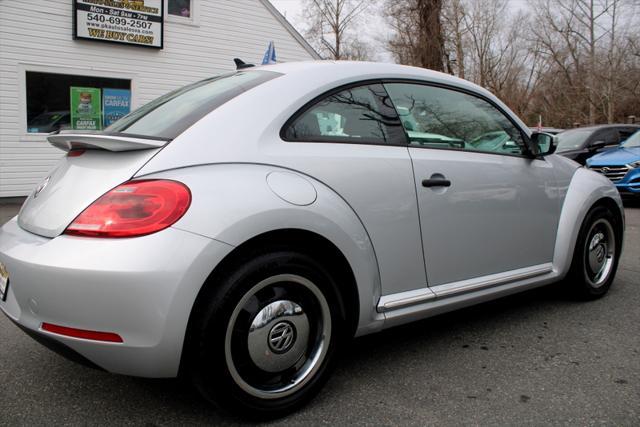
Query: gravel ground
(530, 359)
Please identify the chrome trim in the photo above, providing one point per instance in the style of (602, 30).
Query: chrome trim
(316, 354)
(600, 253)
(614, 173)
(404, 299)
(278, 336)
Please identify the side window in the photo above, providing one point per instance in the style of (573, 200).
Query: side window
(612, 137)
(609, 137)
(626, 133)
(361, 114)
(444, 118)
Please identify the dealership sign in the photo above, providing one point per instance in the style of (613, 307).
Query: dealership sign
(136, 22)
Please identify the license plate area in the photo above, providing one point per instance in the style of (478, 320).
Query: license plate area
(4, 282)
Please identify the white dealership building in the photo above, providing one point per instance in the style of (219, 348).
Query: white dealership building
(63, 59)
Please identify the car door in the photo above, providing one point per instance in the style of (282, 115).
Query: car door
(485, 206)
(351, 139)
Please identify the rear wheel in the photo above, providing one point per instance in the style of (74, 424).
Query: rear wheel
(267, 337)
(596, 255)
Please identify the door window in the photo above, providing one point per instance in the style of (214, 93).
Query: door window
(625, 133)
(610, 137)
(444, 118)
(361, 114)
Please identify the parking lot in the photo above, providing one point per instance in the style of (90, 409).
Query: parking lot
(530, 359)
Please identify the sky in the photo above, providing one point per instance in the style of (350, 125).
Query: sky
(375, 30)
(292, 10)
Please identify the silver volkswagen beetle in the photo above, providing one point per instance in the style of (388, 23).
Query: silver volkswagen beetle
(239, 230)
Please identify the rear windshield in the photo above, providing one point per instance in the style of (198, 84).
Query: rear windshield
(171, 114)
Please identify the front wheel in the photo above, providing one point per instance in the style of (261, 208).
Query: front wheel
(596, 254)
(267, 337)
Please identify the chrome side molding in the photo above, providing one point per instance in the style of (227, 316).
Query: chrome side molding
(405, 299)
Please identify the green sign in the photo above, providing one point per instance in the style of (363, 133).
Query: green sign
(86, 111)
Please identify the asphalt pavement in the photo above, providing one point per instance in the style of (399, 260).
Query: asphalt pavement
(530, 359)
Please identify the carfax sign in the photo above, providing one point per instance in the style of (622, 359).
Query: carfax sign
(136, 22)
(86, 113)
(116, 103)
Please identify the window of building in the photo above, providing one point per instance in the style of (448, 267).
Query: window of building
(444, 118)
(50, 98)
(182, 8)
(356, 115)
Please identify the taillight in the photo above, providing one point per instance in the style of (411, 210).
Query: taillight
(75, 153)
(134, 208)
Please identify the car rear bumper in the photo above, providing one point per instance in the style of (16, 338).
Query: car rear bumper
(141, 289)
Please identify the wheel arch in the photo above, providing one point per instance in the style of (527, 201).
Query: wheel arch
(587, 190)
(298, 240)
(302, 241)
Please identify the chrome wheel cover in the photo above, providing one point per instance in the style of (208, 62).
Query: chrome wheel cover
(278, 336)
(599, 253)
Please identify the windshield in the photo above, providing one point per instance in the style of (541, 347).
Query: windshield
(633, 141)
(47, 118)
(572, 139)
(171, 114)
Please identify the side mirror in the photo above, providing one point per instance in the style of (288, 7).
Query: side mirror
(543, 144)
(596, 145)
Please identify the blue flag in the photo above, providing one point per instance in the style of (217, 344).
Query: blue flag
(270, 55)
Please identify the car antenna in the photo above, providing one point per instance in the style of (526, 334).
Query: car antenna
(240, 64)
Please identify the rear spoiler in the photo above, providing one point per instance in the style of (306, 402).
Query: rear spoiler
(68, 141)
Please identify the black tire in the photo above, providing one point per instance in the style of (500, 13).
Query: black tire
(220, 359)
(583, 281)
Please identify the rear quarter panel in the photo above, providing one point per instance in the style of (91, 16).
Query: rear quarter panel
(233, 203)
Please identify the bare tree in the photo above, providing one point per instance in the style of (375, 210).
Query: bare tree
(570, 61)
(417, 37)
(588, 47)
(453, 15)
(403, 21)
(431, 48)
(331, 25)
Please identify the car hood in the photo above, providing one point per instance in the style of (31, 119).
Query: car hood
(616, 156)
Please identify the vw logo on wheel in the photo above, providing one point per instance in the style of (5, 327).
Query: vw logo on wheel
(281, 337)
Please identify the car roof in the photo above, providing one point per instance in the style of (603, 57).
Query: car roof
(273, 103)
(607, 126)
(346, 69)
(345, 72)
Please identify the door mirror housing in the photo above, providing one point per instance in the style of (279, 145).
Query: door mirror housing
(543, 144)
(596, 145)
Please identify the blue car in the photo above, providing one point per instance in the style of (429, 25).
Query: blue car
(621, 165)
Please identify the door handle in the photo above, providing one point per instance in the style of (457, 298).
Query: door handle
(436, 182)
